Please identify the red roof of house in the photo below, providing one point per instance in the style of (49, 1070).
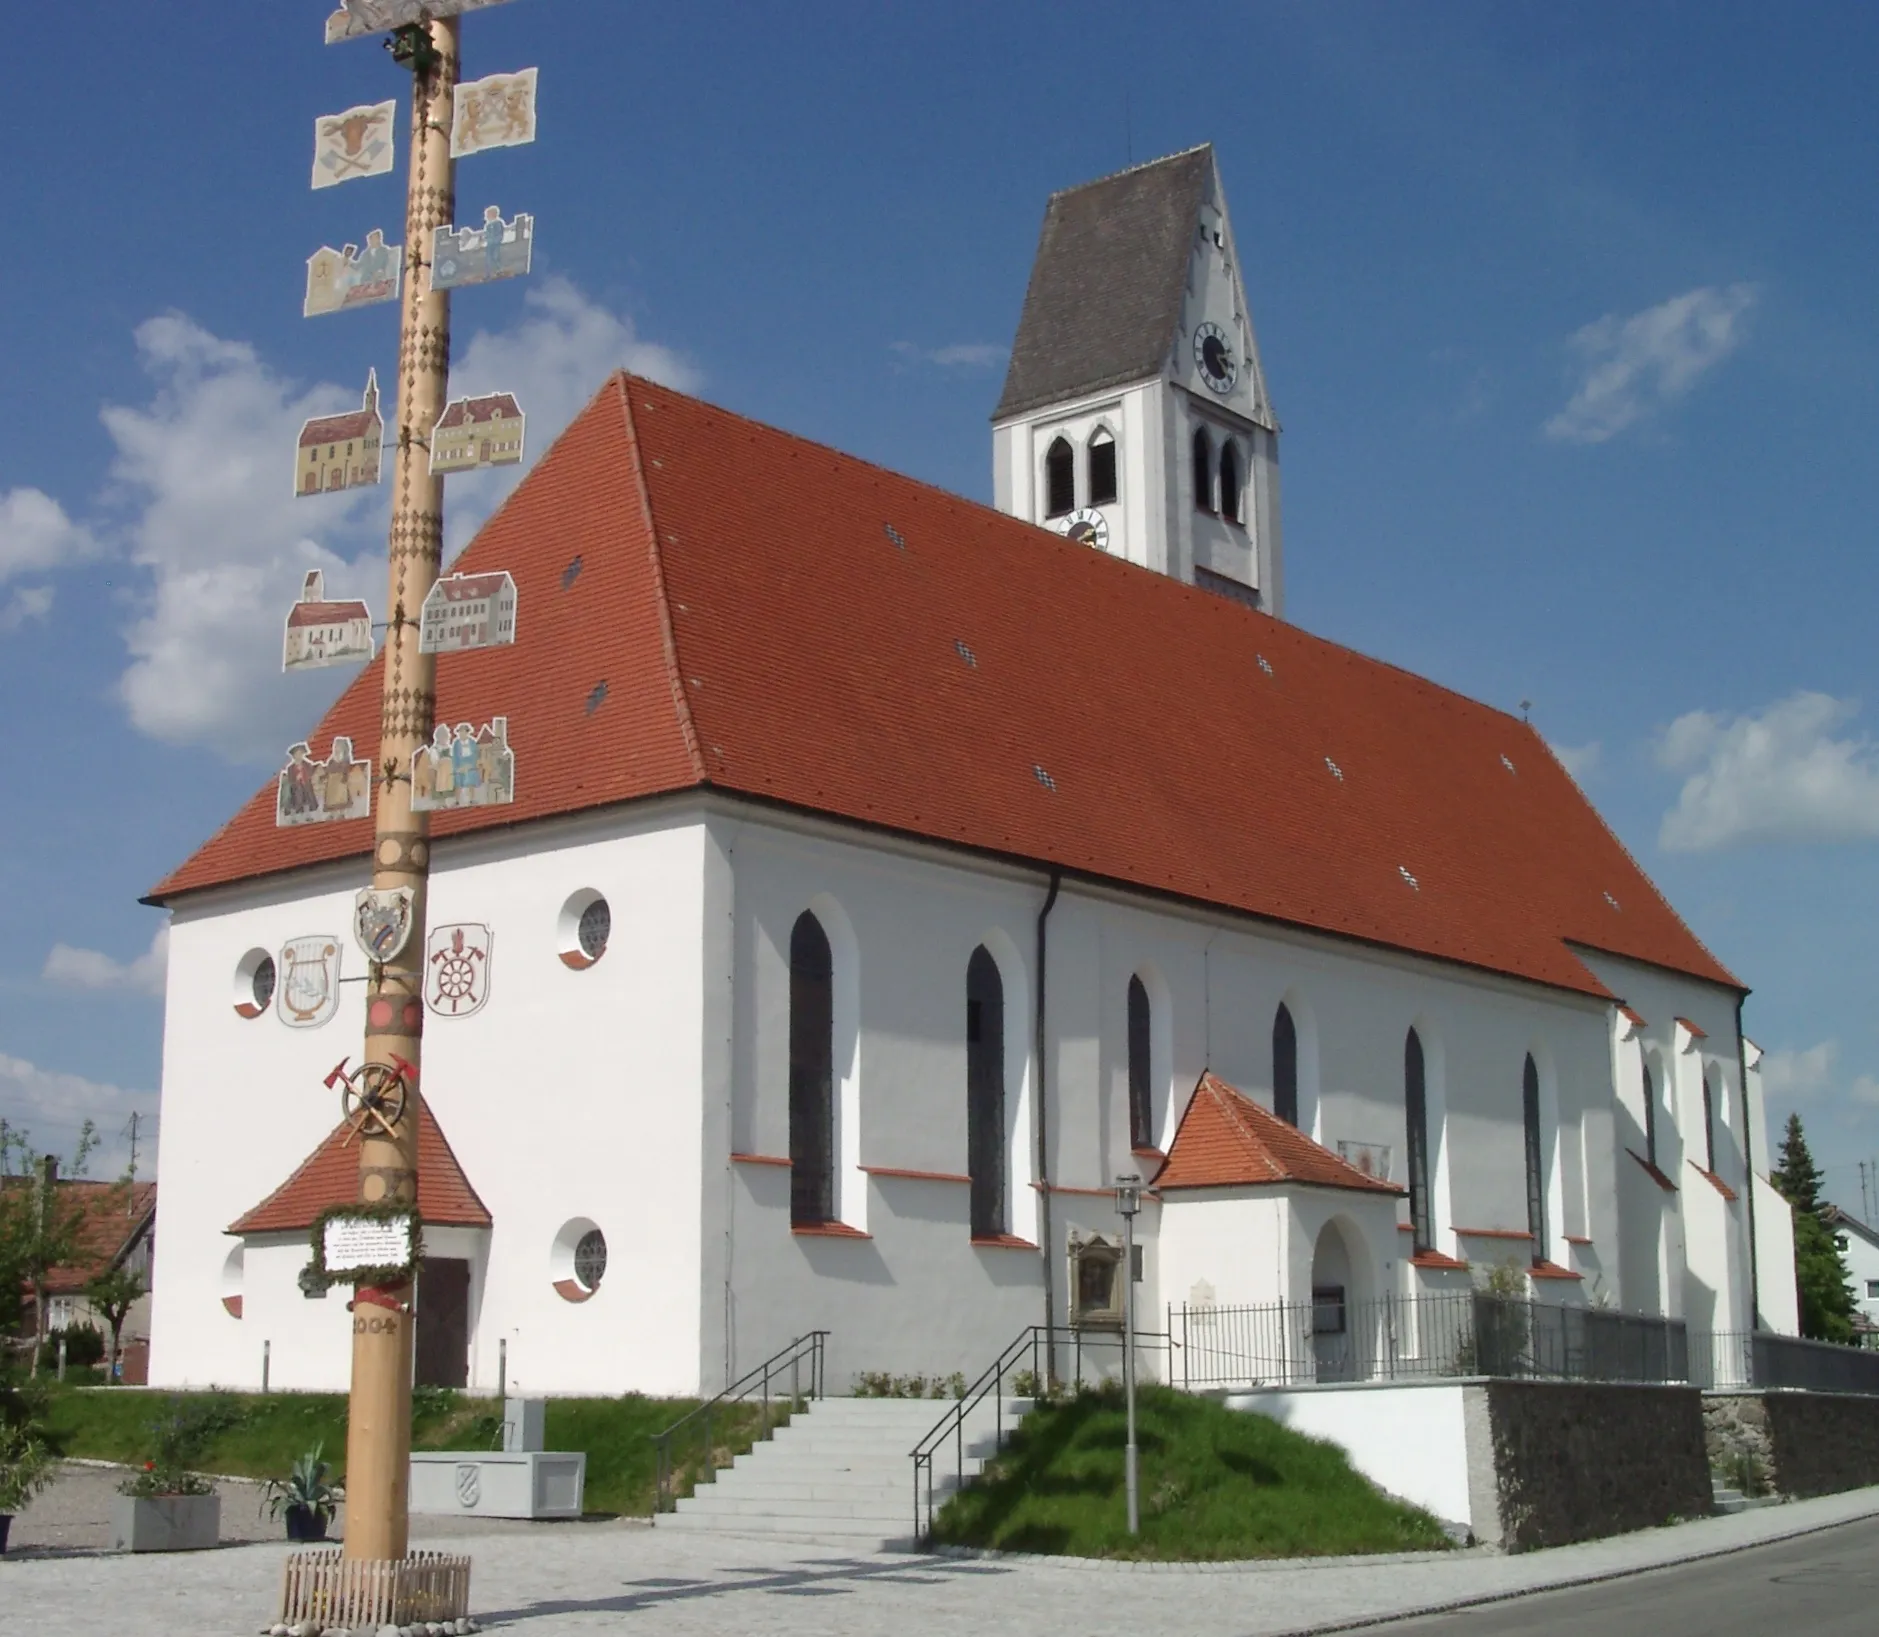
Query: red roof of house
(454, 588)
(330, 1176)
(826, 635)
(1227, 1140)
(336, 613)
(495, 406)
(112, 1214)
(357, 423)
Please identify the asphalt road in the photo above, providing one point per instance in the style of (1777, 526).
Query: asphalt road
(1824, 1584)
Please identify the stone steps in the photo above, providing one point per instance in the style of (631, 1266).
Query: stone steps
(842, 1470)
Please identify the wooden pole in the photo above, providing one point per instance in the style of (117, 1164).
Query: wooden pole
(378, 1437)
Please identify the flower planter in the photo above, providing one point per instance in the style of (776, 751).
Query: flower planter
(165, 1523)
(305, 1524)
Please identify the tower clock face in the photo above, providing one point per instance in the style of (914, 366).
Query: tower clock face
(1087, 528)
(1213, 353)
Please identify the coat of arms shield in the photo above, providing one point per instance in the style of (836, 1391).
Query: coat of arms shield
(381, 921)
(456, 970)
(309, 981)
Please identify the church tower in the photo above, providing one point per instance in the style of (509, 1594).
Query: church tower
(1135, 414)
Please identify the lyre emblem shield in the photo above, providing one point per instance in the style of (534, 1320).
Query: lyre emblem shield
(456, 969)
(309, 981)
(381, 921)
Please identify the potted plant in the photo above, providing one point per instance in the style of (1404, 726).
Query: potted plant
(308, 1500)
(166, 1507)
(25, 1469)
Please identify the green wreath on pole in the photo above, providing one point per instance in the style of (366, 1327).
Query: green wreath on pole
(317, 1274)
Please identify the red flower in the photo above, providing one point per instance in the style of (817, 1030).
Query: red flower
(150, 1466)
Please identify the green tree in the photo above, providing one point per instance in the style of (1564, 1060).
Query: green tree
(112, 1295)
(39, 1229)
(1820, 1274)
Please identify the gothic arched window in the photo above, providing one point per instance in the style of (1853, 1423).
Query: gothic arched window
(1203, 470)
(1416, 1122)
(1285, 1067)
(811, 1074)
(1536, 1175)
(1141, 1058)
(1060, 479)
(1230, 480)
(1650, 1116)
(985, 1093)
(1102, 468)
(1709, 1127)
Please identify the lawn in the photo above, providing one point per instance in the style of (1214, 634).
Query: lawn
(259, 1435)
(1215, 1484)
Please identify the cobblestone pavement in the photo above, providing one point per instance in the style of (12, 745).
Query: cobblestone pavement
(557, 1580)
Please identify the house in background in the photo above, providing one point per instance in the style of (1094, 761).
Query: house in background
(342, 451)
(1859, 1248)
(117, 1230)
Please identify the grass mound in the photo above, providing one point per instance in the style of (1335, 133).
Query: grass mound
(1215, 1484)
(259, 1435)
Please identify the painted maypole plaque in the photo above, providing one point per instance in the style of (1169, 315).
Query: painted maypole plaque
(311, 792)
(354, 144)
(497, 112)
(464, 767)
(456, 981)
(309, 981)
(462, 256)
(474, 433)
(342, 451)
(357, 18)
(320, 632)
(465, 611)
(357, 276)
(382, 920)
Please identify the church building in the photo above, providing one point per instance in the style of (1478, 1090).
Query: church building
(880, 874)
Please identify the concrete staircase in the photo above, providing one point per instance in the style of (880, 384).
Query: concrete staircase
(841, 1471)
(1733, 1500)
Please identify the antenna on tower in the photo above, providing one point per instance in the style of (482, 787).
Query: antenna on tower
(130, 1131)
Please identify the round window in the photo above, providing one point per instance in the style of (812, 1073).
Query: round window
(590, 1260)
(254, 983)
(585, 925)
(596, 924)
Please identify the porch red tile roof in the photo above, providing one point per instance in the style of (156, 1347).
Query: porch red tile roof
(1227, 1140)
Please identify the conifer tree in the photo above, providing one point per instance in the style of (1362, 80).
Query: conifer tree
(1820, 1275)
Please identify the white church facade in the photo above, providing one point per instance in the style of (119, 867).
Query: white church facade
(886, 874)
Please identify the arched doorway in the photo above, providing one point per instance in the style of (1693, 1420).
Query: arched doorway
(1338, 1314)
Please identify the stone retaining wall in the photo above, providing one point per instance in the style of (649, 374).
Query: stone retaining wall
(1555, 1462)
(1799, 1443)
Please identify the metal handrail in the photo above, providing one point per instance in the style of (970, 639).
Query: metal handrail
(1032, 1340)
(811, 1347)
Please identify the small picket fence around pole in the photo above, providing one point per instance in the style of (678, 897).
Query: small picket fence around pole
(327, 1589)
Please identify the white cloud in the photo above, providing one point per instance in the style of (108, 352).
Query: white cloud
(957, 355)
(1631, 367)
(36, 535)
(1781, 775)
(1581, 761)
(205, 470)
(30, 602)
(201, 498)
(92, 969)
(554, 361)
(49, 1107)
(1799, 1075)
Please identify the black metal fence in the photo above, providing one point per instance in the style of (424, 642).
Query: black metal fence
(1440, 1336)
(1756, 1360)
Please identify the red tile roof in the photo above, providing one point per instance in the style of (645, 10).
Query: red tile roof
(1700, 1034)
(110, 1217)
(781, 621)
(333, 613)
(496, 406)
(330, 1176)
(1226, 1140)
(325, 429)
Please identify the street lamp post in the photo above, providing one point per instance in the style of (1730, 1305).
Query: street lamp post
(1128, 1202)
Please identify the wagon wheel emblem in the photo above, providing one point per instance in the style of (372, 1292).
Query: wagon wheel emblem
(373, 1095)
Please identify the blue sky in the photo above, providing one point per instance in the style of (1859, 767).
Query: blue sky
(1567, 313)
